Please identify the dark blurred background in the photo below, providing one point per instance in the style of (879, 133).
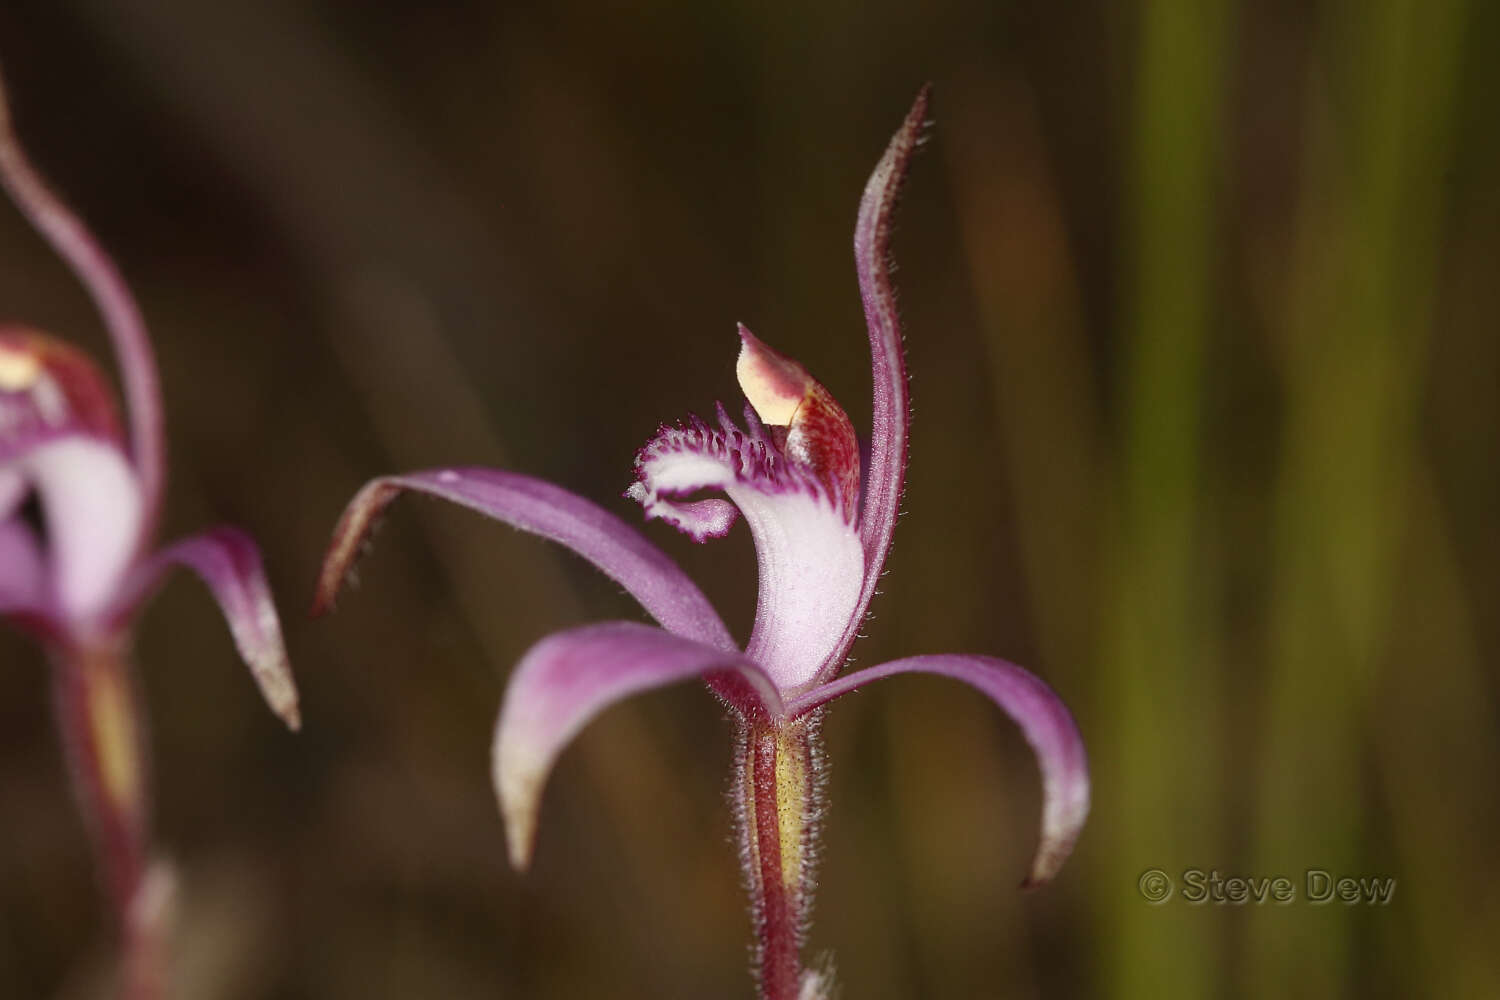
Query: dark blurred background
(1201, 307)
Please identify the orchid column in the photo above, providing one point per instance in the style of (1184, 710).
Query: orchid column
(821, 525)
(79, 503)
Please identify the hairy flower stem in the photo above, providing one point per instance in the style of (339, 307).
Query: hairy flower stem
(778, 808)
(98, 715)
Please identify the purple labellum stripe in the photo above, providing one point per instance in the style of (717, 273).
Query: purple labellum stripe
(1044, 721)
(228, 561)
(791, 471)
(618, 550)
(570, 677)
(810, 560)
(728, 455)
(122, 318)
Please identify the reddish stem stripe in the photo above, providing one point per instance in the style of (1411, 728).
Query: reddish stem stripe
(779, 806)
(780, 967)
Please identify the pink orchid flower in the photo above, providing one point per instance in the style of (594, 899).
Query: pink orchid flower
(79, 504)
(821, 533)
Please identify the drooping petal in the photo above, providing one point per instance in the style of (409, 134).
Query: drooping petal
(542, 509)
(892, 413)
(811, 563)
(1044, 720)
(228, 561)
(122, 318)
(566, 679)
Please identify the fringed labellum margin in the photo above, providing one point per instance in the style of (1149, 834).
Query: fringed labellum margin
(792, 470)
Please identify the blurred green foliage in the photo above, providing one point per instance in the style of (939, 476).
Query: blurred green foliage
(1201, 310)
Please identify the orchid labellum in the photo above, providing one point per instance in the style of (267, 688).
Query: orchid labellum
(821, 531)
(79, 503)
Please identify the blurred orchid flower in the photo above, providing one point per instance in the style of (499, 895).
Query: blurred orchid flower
(79, 504)
(793, 472)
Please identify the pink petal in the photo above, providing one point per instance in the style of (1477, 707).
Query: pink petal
(567, 679)
(23, 575)
(892, 412)
(13, 490)
(811, 563)
(1044, 720)
(76, 245)
(91, 503)
(543, 509)
(60, 437)
(228, 561)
